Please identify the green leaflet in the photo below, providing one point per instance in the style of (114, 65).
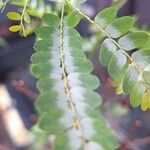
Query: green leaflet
(61, 139)
(120, 26)
(67, 101)
(106, 16)
(108, 48)
(50, 121)
(76, 140)
(45, 30)
(132, 73)
(51, 20)
(91, 98)
(46, 98)
(99, 124)
(88, 81)
(117, 65)
(133, 40)
(80, 65)
(142, 58)
(37, 8)
(18, 2)
(146, 46)
(72, 19)
(137, 93)
(39, 136)
(15, 28)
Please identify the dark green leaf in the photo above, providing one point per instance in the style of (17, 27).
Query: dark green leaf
(14, 16)
(15, 28)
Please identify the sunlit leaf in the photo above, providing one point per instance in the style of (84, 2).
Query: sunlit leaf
(73, 19)
(13, 15)
(108, 49)
(15, 28)
(131, 73)
(117, 65)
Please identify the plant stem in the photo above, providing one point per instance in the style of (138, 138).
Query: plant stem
(4, 3)
(76, 123)
(21, 19)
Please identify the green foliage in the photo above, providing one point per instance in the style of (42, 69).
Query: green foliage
(119, 26)
(26, 9)
(128, 70)
(67, 101)
(37, 8)
(21, 17)
(26, 17)
(72, 19)
(15, 28)
(40, 138)
(133, 40)
(13, 16)
(105, 17)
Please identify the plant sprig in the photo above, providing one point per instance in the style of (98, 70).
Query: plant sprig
(22, 18)
(132, 68)
(105, 34)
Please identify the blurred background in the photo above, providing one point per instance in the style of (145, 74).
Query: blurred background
(18, 87)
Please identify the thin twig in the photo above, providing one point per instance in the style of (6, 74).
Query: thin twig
(21, 18)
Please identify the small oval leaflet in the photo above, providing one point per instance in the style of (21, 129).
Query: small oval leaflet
(15, 28)
(13, 16)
